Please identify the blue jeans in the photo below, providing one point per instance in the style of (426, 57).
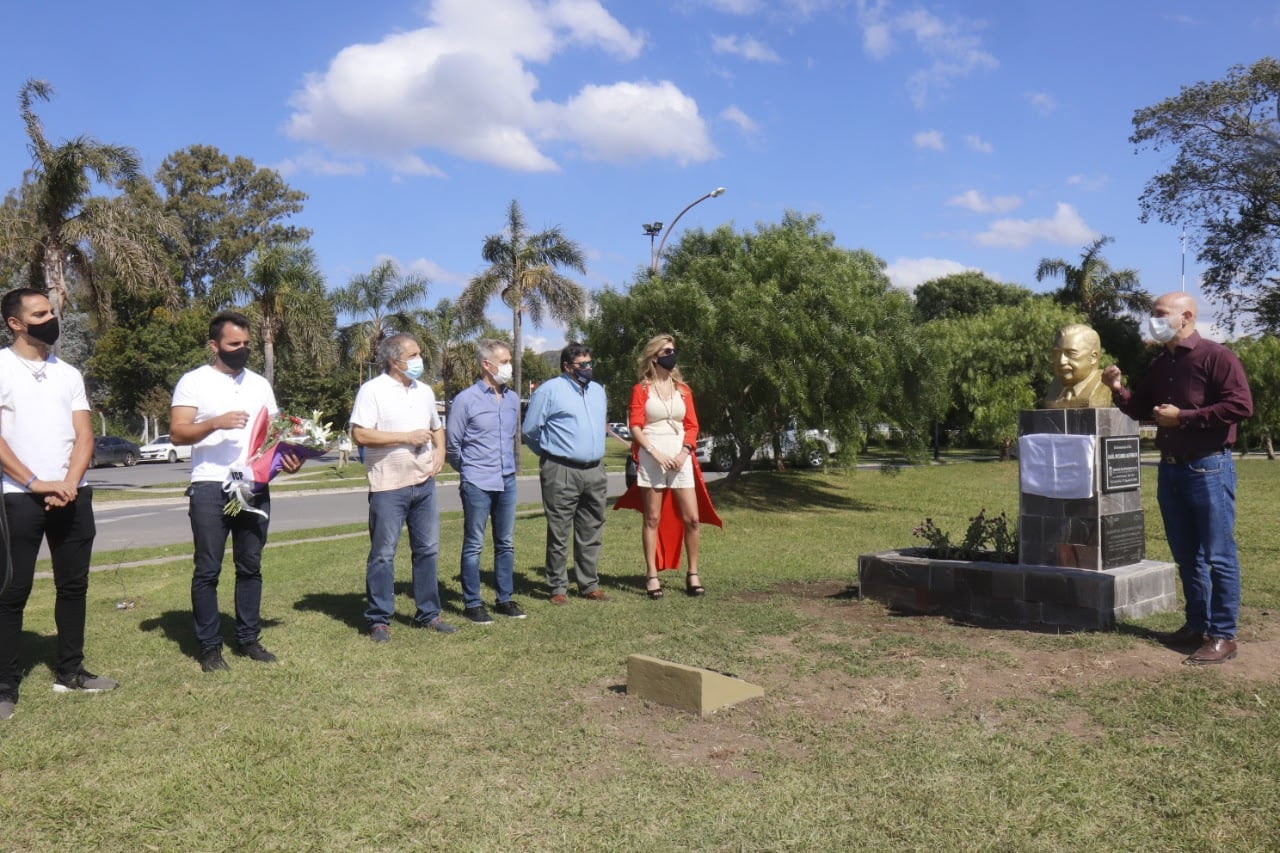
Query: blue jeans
(388, 512)
(209, 528)
(478, 506)
(1198, 504)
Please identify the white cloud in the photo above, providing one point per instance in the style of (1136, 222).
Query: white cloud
(1065, 228)
(978, 203)
(434, 273)
(977, 143)
(1092, 183)
(736, 7)
(736, 116)
(315, 163)
(909, 273)
(954, 49)
(1042, 102)
(746, 47)
(463, 84)
(930, 140)
(630, 121)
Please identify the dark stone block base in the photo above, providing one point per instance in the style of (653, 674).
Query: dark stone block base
(1028, 595)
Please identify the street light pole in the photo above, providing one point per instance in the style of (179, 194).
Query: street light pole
(652, 230)
(654, 258)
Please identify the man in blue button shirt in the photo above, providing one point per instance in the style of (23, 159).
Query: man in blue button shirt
(480, 444)
(565, 426)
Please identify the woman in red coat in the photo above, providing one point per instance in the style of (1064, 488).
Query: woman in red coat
(664, 431)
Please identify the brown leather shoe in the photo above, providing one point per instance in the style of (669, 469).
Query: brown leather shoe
(1214, 650)
(560, 599)
(595, 595)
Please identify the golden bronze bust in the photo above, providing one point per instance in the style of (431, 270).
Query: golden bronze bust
(1077, 375)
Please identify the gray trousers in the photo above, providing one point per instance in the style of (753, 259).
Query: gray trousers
(574, 502)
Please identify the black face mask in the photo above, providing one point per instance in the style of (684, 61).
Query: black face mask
(582, 374)
(46, 332)
(666, 362)
(235, 359)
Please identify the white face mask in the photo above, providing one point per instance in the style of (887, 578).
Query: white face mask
(1160, 330)
(503, 374)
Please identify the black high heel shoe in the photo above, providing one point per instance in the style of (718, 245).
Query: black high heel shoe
(653, 592)
(691, 588)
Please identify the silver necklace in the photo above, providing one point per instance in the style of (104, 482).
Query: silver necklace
(38, 373)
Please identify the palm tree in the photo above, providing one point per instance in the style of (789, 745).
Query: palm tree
(523, 271)
(57, 228)
(384, 300)
(281, 288)
(1102, 293)
(451, 333)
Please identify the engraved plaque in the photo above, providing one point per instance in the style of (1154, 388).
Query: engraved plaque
(1123, 539)
(1121, 465)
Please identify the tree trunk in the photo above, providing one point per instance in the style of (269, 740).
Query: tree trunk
(269, 355)
(1271, 453)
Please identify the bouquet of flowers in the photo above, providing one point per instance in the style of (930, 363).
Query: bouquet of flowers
(269, 439)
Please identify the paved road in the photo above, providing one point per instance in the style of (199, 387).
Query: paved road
(137, 524)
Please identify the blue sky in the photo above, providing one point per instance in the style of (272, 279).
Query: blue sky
(940, 136)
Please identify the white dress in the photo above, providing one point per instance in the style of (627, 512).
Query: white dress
(663, 431)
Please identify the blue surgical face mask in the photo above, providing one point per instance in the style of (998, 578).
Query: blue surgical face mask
(413, 368)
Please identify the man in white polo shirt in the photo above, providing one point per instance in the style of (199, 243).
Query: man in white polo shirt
(395, 421)
(46, 443)
(213, 409)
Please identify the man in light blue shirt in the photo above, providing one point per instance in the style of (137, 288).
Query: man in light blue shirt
(480, 444)
(565, 426)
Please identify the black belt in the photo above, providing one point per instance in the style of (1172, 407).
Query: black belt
(1188, 458)
(569, 463)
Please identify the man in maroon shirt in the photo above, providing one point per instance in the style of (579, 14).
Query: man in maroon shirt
(1196, 392)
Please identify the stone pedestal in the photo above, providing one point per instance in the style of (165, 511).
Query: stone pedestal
(1104, 531)
(1080, 599)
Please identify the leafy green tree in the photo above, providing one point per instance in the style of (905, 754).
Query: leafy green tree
(284, 295)
(964, 294)
(1261, 359)
(229, 208)
(1109, 298)
(996, 364)
(384, 300)
(146, 353)
(1223, 182)
(774, 326)
(58, 228)
(538, 368)
(524, 271)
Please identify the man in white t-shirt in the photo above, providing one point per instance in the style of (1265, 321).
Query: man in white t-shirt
(214, 408)
(46, 443)
(395, 421)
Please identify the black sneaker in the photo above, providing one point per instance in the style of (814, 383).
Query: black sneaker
(477, 615)
(255, 651)
(509, 609)
(83, 681)
(211, 661)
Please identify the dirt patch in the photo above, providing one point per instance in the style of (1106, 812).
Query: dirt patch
(925, 667)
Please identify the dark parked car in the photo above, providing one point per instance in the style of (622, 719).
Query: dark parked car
(110, 450)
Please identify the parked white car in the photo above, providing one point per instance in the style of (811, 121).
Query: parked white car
(718, 453)
(163, 450)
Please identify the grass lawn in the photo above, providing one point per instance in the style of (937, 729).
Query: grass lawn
(877, 731)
